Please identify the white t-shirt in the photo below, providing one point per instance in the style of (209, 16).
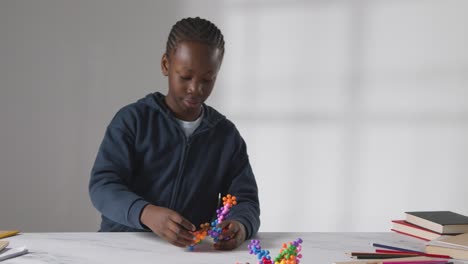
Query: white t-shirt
(190, 126)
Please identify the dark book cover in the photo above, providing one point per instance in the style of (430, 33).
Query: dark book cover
(442, 217)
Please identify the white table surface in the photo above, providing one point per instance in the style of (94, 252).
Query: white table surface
(148, 248)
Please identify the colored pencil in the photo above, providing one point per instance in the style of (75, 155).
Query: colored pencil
(387, 256)
(411, 253)
(395, 248)
(418, 262)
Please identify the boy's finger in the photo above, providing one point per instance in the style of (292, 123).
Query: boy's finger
(225, 245)
(183, 222)
(178, 244)
(224, 223)
(187, 225)
(181, 234)
(230, 231)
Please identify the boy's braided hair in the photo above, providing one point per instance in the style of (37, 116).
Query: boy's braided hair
(195, 29)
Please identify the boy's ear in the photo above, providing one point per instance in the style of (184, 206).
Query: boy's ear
(165, 65)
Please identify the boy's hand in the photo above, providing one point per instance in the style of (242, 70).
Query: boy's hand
(235, 231)
(168, 224)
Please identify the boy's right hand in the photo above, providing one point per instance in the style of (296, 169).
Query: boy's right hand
(168, 224)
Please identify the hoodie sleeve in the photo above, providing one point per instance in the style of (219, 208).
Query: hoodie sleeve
(244, 187)
(109, 183)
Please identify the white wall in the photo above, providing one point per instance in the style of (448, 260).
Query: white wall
(353, 111)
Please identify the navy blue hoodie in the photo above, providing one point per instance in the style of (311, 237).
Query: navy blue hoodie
(145, 158)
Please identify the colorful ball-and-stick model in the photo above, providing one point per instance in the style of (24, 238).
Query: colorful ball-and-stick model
(289, 254)
(213, 230)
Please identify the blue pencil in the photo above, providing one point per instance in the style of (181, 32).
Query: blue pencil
(394, 248)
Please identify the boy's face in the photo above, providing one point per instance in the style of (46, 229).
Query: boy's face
(191, 69)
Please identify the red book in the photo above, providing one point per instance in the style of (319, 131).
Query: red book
(405, 228)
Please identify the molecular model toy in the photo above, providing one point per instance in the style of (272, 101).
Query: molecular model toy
(213, 230)
(289, 253)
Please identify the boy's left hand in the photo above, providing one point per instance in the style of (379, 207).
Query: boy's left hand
(235, 231)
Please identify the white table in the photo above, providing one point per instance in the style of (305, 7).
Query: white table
(79, 248)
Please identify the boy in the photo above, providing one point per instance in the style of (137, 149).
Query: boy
(165, 159)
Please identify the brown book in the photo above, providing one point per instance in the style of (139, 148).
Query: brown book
(443, 222)
(455, 246)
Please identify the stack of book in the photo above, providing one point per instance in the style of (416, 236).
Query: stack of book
(447, 233)
(454, 246)
(391, 254)
(431, 225)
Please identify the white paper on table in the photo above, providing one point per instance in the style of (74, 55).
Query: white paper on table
(12, 252)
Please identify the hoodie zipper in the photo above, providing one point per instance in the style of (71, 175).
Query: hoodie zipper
(187, 144)
(176, 188)
(186, 149)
